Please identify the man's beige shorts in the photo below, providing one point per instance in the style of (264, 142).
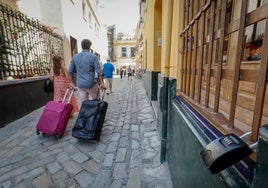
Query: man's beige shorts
(92, 93)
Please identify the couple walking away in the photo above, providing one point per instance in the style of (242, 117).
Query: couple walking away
(85, 65)
(91, 115)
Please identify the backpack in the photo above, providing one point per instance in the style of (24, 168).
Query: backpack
(48, 86)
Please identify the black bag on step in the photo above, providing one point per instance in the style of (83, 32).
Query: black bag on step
(90, 120)
(48, 86)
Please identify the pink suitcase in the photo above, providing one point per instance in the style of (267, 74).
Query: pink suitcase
(55, 116)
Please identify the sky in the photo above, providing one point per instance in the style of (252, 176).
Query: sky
(123, 13)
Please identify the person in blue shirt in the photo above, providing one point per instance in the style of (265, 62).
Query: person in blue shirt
(85, 65)
(108, 69)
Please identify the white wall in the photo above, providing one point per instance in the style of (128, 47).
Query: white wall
(33, 12)
(79, 28)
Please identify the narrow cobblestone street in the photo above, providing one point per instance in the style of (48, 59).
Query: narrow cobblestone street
(128, 154)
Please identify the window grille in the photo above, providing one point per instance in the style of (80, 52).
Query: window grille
(26, 45)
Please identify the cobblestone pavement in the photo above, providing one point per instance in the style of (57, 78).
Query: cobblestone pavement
(127, 155)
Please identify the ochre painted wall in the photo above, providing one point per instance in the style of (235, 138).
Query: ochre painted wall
(156, 25)
(152, 32)
(158, 38)
(176, 42)
(166, 36)
(148, 37)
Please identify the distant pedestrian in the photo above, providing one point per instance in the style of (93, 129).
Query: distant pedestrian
(101, 66)
(61, 82)
(108, 69)
(129, 73)
(121, 72)
(85, 64)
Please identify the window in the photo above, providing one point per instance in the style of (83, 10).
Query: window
(254, 41)
(254, 35)
(96, 2)
(73, 43)
(96, 29)
(89, 18)
(132, 51)
(253, 4)
(123, 52)
(84, 10)
(227, 37)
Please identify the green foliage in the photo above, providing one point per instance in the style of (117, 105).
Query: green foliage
(4, 48)
(120, 36)
(26, 45)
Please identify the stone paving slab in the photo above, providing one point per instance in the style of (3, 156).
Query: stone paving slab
(127, 156)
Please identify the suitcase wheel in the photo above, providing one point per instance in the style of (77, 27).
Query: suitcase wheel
(58, 136)
(37, 132)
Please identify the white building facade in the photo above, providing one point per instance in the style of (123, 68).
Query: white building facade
(125, 53)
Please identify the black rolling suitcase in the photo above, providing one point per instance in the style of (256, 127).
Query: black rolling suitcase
(90, 120)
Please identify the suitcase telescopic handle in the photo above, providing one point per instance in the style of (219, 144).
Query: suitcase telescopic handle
(103, 94)
(66, 93)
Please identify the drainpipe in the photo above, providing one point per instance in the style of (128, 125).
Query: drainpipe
(167, 13)
(164, 110)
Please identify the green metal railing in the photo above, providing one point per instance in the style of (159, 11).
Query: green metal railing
(26, 45)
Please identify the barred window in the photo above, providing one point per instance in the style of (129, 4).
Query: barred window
(254, 34)
(123, 52)
(133, 50)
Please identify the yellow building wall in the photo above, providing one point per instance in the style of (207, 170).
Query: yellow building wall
(148, 37)
(176, 42)
(152, 35)
(158, 40)
(166, 36)
(162, 23)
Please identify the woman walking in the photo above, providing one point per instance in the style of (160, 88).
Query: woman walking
(61, 82)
